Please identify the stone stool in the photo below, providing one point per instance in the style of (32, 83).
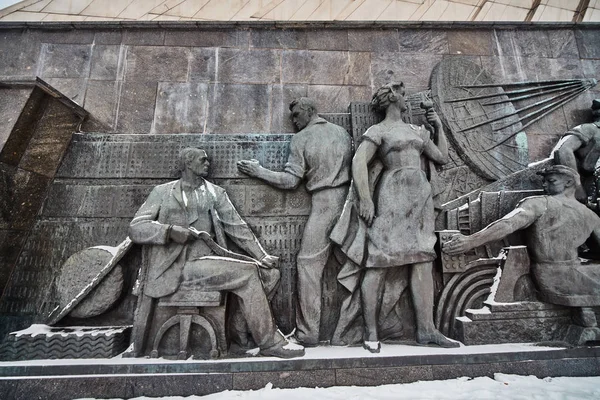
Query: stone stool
(205, 309)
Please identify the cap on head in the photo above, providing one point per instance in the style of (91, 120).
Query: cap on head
(596, 104)
(560, 170)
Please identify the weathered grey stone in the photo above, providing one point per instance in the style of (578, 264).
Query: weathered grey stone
(413, 71)
(202, 64)
(11, 241)
(66, 36)
(19, 55)
(154, 63)
(191, 385)
(287, 379)
(10, 108)
(335, 99)
(382, 376)
(207, 38)
(65, 388)
(328, 39)
(470, 42)
(238, 107)
(181, 108)
(587, 42)
(108, 37)
(417, 41)
(143, 37)
(563, 43)
(243, 66)
(136, 107)
(521, 43)
(315, 67)
(106, 60)
(101, 101)
(373, 40)
(281, 97)
(278, 38)
(591, 68)
(66, 61)
(541, 144)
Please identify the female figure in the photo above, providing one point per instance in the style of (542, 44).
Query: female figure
(399, 215)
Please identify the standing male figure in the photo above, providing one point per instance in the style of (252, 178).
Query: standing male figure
(321, 152)
(580, 151)
(185, 222)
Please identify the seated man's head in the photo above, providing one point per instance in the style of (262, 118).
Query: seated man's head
(303, 110)
(559, 179)
(195, 161)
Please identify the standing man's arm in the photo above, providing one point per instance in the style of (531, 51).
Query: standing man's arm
(565, 154)
(525, 214)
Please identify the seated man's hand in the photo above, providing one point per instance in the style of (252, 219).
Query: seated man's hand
(180, 234)
(458, 244)
(269, 261)
(249, 167)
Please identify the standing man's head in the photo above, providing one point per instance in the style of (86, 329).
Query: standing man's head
(559, 179)
(303, 111)
(195, 161)
(596, 109)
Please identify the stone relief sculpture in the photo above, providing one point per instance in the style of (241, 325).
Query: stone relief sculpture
(580, 151)
(185, 223)
(555, 225)
(321, 153)
(396, 225)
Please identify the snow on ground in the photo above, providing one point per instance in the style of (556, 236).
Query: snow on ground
(502, 387)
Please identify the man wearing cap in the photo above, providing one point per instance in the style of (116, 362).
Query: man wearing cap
(321, 152)
(556, 224)
(580, 150)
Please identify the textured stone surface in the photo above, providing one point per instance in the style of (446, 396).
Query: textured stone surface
(106, 61)
(328, 39)
(206, 38)
(414, 71)
(136, 107)
(416, 41)
(66, 61)
(587, 42)
(382, 376)
(143, 37)
(202, 65)
(237, 109)
(10, 108)
(19, 55)
(367, 40)
(280, 39)
(522, 43)
(315, 67)
(102, 101)
(241, 66)
(181, 108)
(470, 42)
(284, 379)
(154, 63)
(563, 43)
(188, 385)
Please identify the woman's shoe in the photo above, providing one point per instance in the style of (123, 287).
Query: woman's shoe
(372, 346)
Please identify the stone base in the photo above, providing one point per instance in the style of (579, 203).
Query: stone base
(322, 367)
(524, 322)
(44, 342)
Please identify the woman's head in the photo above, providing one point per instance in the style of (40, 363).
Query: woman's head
(388, 94)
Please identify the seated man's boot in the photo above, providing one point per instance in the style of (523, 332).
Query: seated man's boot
(283, 348)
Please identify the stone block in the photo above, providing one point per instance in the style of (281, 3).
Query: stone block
(382, 376)
(136, 107)
(470, 42)
(101, 101)
(335, 99)
(66, 36)
(207, 38)
(431, 41)
(181, 107)
(66, 61)
(106, 60)
(284, 379)
(278, 38)
(540, 145)
(591, 69)
(282, 96)
(19, 55)
(243, 66)
(108, 37)
(414, 71)
(563, 43)
(327, 39)
(373, 40)
(202, 65)
(187, 385)
(239, 109)
(143, 37)
(326, 67)
(11, 242)
(522, 43)
(13, 102)
(587, 42)
(66, 388)
(153, 63)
